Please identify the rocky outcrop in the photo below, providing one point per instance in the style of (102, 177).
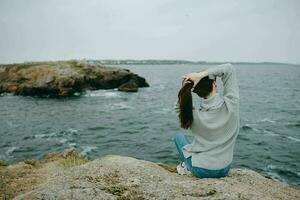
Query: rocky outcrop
(129, 86)
(118, 177)
(64, 78)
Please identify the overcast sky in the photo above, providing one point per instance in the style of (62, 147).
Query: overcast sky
(240, 30)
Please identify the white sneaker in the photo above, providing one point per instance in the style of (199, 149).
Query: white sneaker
(182, 169)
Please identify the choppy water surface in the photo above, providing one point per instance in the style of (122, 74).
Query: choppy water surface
(143, 124)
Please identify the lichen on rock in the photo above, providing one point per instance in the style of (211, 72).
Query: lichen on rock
(120, 177)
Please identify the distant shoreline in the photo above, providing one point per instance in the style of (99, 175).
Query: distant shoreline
(160, 62)
(176, 62)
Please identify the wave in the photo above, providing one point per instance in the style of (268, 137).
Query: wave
(68, 142)
(87, 149)
(97, 128)
(63, 141)
(271, 170)
(270, 133)
(68, 131)
(5, 94)
(260, 143)
(266, 120)
(278, 173)
(72, 144)
(166, 151)
(11, 124)
(119, 106)
(275, 176)
(248, 127)
(43, 135)
(103, 93)
(293, 124)
(287, 124)
(293, 138)
(63, 137)
(10, 150)
(243, 137)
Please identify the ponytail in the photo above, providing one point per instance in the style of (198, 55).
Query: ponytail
(185, 105)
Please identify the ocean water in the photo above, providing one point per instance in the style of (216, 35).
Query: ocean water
(143, 124)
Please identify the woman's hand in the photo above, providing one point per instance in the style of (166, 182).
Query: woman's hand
(195, 77)
(186, 81)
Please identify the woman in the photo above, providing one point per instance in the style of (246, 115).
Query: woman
(214, 125)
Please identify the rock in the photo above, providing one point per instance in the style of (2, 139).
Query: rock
(64, 78)
(130, 86)
(118, 177)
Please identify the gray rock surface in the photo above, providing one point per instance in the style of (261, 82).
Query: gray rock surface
(64, 78)
(118, 177)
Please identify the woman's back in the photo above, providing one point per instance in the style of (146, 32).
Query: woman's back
(216, 123)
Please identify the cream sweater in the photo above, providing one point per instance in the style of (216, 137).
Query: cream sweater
(216, 123)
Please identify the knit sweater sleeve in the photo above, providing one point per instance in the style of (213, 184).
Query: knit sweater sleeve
(228, 75)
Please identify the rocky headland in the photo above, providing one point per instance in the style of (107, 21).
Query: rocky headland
(64, 78)
(71, 176)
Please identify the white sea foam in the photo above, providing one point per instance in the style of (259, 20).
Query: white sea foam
(51, 135)
(292, 124)
(275, 176)
(270, 133)
(41, 136)
(251, 126)
(271, 167)
(292, 138)
(6, 94)
(10, 150)
(271, 171)
(102, 93)
(63, 141)
(71, 131)
(87, 149)
(119, 106)
(267, 120)
(288, 137)
(72, 144)
(54, 135)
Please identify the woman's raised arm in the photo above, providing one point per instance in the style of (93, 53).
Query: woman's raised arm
(228, 75)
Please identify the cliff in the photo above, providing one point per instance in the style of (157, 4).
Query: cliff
(71, 176)
(64, 78)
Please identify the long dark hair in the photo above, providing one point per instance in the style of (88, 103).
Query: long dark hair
(185, 101)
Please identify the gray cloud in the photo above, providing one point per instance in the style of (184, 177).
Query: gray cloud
(139, 29)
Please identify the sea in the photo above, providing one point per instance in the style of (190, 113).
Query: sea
(143, 124)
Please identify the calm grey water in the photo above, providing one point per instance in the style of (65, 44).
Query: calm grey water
(143, 124)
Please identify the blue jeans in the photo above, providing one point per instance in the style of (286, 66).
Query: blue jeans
(180, 141)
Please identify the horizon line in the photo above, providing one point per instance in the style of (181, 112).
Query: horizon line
(159, 61)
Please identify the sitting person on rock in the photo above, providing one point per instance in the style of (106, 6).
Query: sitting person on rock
(214, 125)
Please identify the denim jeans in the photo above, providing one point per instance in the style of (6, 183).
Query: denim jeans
(180, 141)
